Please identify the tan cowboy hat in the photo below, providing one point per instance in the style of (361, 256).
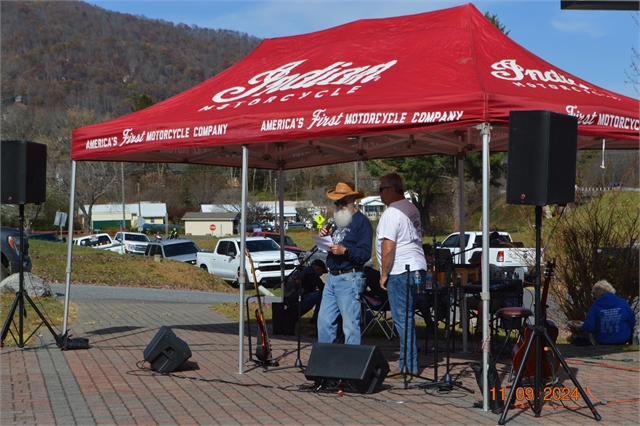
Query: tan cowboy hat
(344, 189)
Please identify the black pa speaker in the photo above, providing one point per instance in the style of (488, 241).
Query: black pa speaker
(24, 172)
(166, 351)
(362, 366)
(542, 158)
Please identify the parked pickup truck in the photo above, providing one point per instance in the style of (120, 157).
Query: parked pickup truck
(102, 241)
(507, 258)
(224, 261)
(134, 243)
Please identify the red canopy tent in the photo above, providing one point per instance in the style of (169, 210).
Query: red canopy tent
(376, 88)
(433, 83)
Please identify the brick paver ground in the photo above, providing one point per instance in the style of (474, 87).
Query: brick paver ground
(111, 384)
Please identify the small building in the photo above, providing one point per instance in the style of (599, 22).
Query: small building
(216, 224)
(110, 215)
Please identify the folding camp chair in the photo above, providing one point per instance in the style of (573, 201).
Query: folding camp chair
(375, 306)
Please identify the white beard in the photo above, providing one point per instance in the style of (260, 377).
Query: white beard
(343, 216)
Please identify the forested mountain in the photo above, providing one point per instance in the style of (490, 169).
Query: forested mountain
(73, 54)
(68, 64)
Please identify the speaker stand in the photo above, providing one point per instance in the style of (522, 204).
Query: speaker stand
(18, 302)
(540, 331)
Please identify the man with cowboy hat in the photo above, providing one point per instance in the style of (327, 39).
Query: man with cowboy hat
(352, 236)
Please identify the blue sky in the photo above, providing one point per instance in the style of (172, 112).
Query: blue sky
(593, 45)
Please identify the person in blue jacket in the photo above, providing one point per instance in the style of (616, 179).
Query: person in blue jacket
(351, 246)
(610, 318)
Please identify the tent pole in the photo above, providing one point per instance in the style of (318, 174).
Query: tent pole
(463, 315)
(281, 221)
(486, 137)
(243, 246)
(67, 287)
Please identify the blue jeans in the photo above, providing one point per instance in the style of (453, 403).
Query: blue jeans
(397, 290)
(341, 296)
(313, 299)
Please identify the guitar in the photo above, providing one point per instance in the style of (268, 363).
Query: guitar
(263, 347)
(549, 363)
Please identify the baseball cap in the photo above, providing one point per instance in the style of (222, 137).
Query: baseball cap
(321, 264)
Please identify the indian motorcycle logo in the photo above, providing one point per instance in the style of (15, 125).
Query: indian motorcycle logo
(267, 87)
(508, 69)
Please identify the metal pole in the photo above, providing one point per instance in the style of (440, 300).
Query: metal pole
(67, 287)
(243, 245)
(485, 295)
(281, 220)
(463, 315)
(124, 219)
(139, 210)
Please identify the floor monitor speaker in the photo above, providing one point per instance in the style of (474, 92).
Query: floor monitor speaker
(542, 158)
(166, 351)
(24, 172)
(362, 366)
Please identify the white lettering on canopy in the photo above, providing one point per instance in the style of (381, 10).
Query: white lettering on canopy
(375, 118)
(167, 134)
(508, 69)
(211, 130)
(101, 143)
(608, 120)
(281, 79)
(282, 124)
(128, 137)
(436, 116)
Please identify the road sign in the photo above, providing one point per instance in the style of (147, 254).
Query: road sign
(61, 219)
(212, 226)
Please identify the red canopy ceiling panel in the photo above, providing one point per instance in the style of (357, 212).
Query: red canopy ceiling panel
(404, 86)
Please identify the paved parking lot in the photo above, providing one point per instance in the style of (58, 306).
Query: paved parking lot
(111, 384)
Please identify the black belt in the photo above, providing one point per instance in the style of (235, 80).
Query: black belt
(344, 271)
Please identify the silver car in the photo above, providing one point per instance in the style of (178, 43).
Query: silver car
(181, 250)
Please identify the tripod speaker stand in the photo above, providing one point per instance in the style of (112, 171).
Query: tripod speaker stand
(540, 332)
(18, 302)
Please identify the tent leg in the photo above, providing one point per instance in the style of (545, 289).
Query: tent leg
(486, 137)
(243, 247)
(67, 287)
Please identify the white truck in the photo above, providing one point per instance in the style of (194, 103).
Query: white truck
(130, 243)
(224, 261)
(507, 258)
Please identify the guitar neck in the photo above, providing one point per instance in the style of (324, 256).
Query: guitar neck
(548, 274)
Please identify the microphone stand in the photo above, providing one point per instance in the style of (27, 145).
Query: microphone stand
(447, 383)
(298, 363)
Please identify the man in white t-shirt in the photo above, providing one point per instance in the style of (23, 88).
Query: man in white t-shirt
(399, 243)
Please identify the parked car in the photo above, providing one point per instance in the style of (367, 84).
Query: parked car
(181, 250)
(102, 241)
(313, 254)
(297, 225)
(11, 252)
(289, 245)
(130, 243)
(261, 226)
(47, 236)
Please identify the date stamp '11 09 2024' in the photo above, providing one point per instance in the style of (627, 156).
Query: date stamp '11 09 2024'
(547, 394)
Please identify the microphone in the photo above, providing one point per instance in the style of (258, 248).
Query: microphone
(331, 224)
